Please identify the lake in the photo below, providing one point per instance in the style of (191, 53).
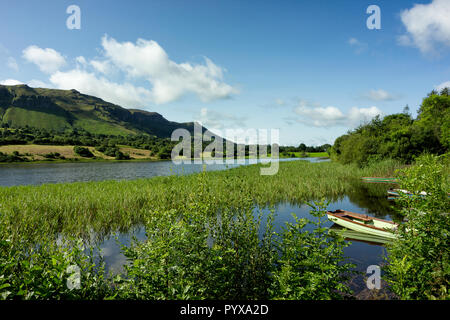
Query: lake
(40, 173)
(365, 198)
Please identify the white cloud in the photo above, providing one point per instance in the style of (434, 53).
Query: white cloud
(357, 115)
(81, 60)
(427, 25)
(143, 62)
(379, 95)
(359, 46)
(331, 116)
(219, 120)
(443, 85)
(104, 67)
(12, 63)
(48, 60)
(10, 82)
(170, 80)
(38, 84)
(86, 82)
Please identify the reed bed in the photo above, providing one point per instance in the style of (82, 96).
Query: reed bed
(86, 208)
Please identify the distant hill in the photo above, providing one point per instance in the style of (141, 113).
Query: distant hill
(53, 109)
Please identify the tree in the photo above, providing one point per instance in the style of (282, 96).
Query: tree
(83, 152)
(302, 147)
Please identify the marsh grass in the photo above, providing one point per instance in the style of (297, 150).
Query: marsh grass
(203, 238)
(84, 208)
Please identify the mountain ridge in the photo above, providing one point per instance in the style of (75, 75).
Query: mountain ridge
(56, 109)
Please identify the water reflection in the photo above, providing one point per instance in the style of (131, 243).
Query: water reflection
(362, 198)
(41, 173)
(368, 199)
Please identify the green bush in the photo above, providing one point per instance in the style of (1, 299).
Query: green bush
(419, 261)
(121, 156)
(46, 271)
(14, 157)
(83, 152)
(53, 155)
(196, 254)
(311, 263)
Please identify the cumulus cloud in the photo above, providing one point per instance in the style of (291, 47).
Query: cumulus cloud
(10, 82)
(331, 116)
(104, 67)
(39, 84)
(86, 82)
(379, 95)
(48, 60)
(443, 85)
(220, 120)
(170, 80)
(160, 79)
(427, 25)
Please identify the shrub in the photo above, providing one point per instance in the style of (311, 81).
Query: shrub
(83, 152)
(419, 261)
(46, 271)
(311, 263)
(53, 155)
(197, 254)
(121, 156)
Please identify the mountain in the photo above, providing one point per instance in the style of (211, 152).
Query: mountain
(21, 105)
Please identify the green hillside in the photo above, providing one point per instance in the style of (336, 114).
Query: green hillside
(54, 109)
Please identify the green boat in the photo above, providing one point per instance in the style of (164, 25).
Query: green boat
(379, 180)
(353, 235)
(364, 223)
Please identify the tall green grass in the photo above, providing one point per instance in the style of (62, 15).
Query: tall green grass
(202, 238)
(87, 208)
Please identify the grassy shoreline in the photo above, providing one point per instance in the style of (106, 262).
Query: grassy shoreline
(44, 230)
(105, 206)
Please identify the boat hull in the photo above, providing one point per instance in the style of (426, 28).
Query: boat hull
(353, 235)
(380, 180)
(380, 228)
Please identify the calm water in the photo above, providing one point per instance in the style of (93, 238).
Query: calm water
(365, 198)
(359, 253)
(40, 173)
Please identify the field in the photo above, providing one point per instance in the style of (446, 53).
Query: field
(38, 152)
(304, 155)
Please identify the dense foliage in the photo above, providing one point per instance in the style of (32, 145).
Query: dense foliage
(83, 152)
(14, 157)
(419, 261)
(79, 137)
(399, 136)
(103, 207)
(192, 251)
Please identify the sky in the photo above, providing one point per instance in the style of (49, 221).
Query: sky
(311, 69)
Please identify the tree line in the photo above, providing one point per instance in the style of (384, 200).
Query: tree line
(107, 144)
(399, 136)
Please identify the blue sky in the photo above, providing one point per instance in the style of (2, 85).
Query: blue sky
(309, 68)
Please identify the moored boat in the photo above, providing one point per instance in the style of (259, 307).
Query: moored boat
(380, 179)
(363, 223)
(353, 235)
(397, 192)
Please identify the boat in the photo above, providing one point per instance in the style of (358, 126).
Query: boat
(379, 180)
(397, 192)
(363, 223)
(353, 235)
